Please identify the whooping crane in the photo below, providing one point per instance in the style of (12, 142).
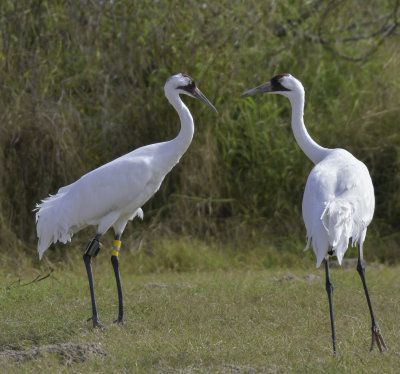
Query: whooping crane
(114, 193)
(338, 201)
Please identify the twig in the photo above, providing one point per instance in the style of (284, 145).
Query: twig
(38, 278)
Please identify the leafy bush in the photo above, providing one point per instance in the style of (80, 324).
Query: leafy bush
(82, 83)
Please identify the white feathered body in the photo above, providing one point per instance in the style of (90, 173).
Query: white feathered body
(108, 196)
(338, 204)
(113, 194)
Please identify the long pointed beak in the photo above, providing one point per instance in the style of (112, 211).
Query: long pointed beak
(265, 87)
(199, 95)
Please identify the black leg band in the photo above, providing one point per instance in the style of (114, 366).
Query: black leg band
(93, 247)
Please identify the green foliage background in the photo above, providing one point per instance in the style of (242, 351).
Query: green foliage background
(82, 83)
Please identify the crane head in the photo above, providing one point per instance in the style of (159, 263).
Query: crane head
(185, 84)
(284, 84)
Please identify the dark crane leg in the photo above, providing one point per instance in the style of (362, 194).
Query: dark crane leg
(376, 332)
(329, 290)
(115, 264)
(92, 250)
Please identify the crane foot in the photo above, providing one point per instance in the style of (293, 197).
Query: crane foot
(96, 322)
(378, 338)
(119, 321)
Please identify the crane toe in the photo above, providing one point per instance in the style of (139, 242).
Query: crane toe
(378, 338)
(96, 322)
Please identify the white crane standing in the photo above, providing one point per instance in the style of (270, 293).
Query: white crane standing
(338, 201)
(113, 194)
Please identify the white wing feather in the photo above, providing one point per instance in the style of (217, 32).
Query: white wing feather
(110, 195)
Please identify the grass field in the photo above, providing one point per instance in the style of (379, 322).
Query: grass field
(221, 321)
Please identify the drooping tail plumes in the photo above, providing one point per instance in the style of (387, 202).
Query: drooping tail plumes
(52, 222)
(59, 216)
(341, 225)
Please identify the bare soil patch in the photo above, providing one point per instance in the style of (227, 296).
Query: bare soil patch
(66, 351)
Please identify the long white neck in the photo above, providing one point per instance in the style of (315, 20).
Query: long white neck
(185, 136)
(314, 151)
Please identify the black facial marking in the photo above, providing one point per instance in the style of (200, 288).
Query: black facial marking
(276, 84)
(189, 87)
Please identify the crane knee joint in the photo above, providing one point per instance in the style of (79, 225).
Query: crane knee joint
(329, 286)
(360, 267)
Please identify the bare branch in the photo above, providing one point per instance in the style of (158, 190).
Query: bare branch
(369, 22)
(386, 30)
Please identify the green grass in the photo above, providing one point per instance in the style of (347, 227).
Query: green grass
(219, 321)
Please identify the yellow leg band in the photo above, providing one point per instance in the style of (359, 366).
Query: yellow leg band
(114, 253)
(117, 243)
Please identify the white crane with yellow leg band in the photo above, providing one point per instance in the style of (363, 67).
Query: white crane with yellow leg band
(113, 194)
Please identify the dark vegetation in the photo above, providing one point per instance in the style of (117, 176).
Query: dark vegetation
(81, 83)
